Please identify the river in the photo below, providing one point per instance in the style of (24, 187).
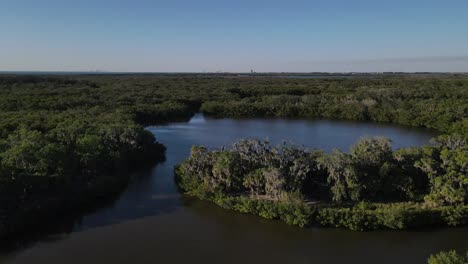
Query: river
(150, 222)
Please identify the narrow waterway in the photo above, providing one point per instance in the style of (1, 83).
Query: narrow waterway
(152, 223)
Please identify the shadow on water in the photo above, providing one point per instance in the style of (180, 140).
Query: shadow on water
(275, 242)
(59, 227)
(149, 220)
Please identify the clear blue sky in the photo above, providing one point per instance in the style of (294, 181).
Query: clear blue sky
(208, 35)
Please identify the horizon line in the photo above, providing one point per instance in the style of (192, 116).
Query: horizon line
(97, 72)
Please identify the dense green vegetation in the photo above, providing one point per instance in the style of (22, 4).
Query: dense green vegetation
(371, 187)
(60, 150)
(434, 103)
(63, 139)
(450, 257)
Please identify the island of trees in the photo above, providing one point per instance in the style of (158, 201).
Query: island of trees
(371, 187)
(68, 141)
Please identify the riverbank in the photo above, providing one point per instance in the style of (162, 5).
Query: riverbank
(162, 220)
(370, 188)
(59, 135)
(46, 197)
(357, 217)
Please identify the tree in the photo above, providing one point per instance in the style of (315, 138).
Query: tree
(450, 257)
(409, 182)
(255, 154)
(371, 151)
(255, 182)
(192, 175)
(274, 182)
(90, 151)
(227, 171)
(342, 176)
(373, 160)
(296, 163)
(446, 165)
(28, 152)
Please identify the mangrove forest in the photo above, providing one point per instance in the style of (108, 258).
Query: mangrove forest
(68, 141)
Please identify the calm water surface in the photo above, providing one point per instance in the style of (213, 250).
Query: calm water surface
(152, 223)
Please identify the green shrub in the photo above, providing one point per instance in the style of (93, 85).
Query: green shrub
(450, 257)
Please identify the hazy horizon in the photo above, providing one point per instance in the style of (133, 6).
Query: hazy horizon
(216, 36)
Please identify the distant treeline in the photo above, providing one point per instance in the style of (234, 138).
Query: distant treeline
(64, 138)
(438, 104)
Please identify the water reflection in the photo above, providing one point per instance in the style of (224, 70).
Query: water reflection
(151, 221)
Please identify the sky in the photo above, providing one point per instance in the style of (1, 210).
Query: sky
(234, 36)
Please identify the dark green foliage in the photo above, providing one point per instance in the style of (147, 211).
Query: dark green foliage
(370, 188)
(56, 154)
(251, 165)
(439, 103)
(446, 164)
(408, 179)
(289, 211)
(449, 257)
(371, 216)
(63, 136)
(342, 176)
(372, 172)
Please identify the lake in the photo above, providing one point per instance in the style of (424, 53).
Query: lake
(150, 222)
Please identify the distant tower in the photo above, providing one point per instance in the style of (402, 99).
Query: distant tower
(251, 71)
